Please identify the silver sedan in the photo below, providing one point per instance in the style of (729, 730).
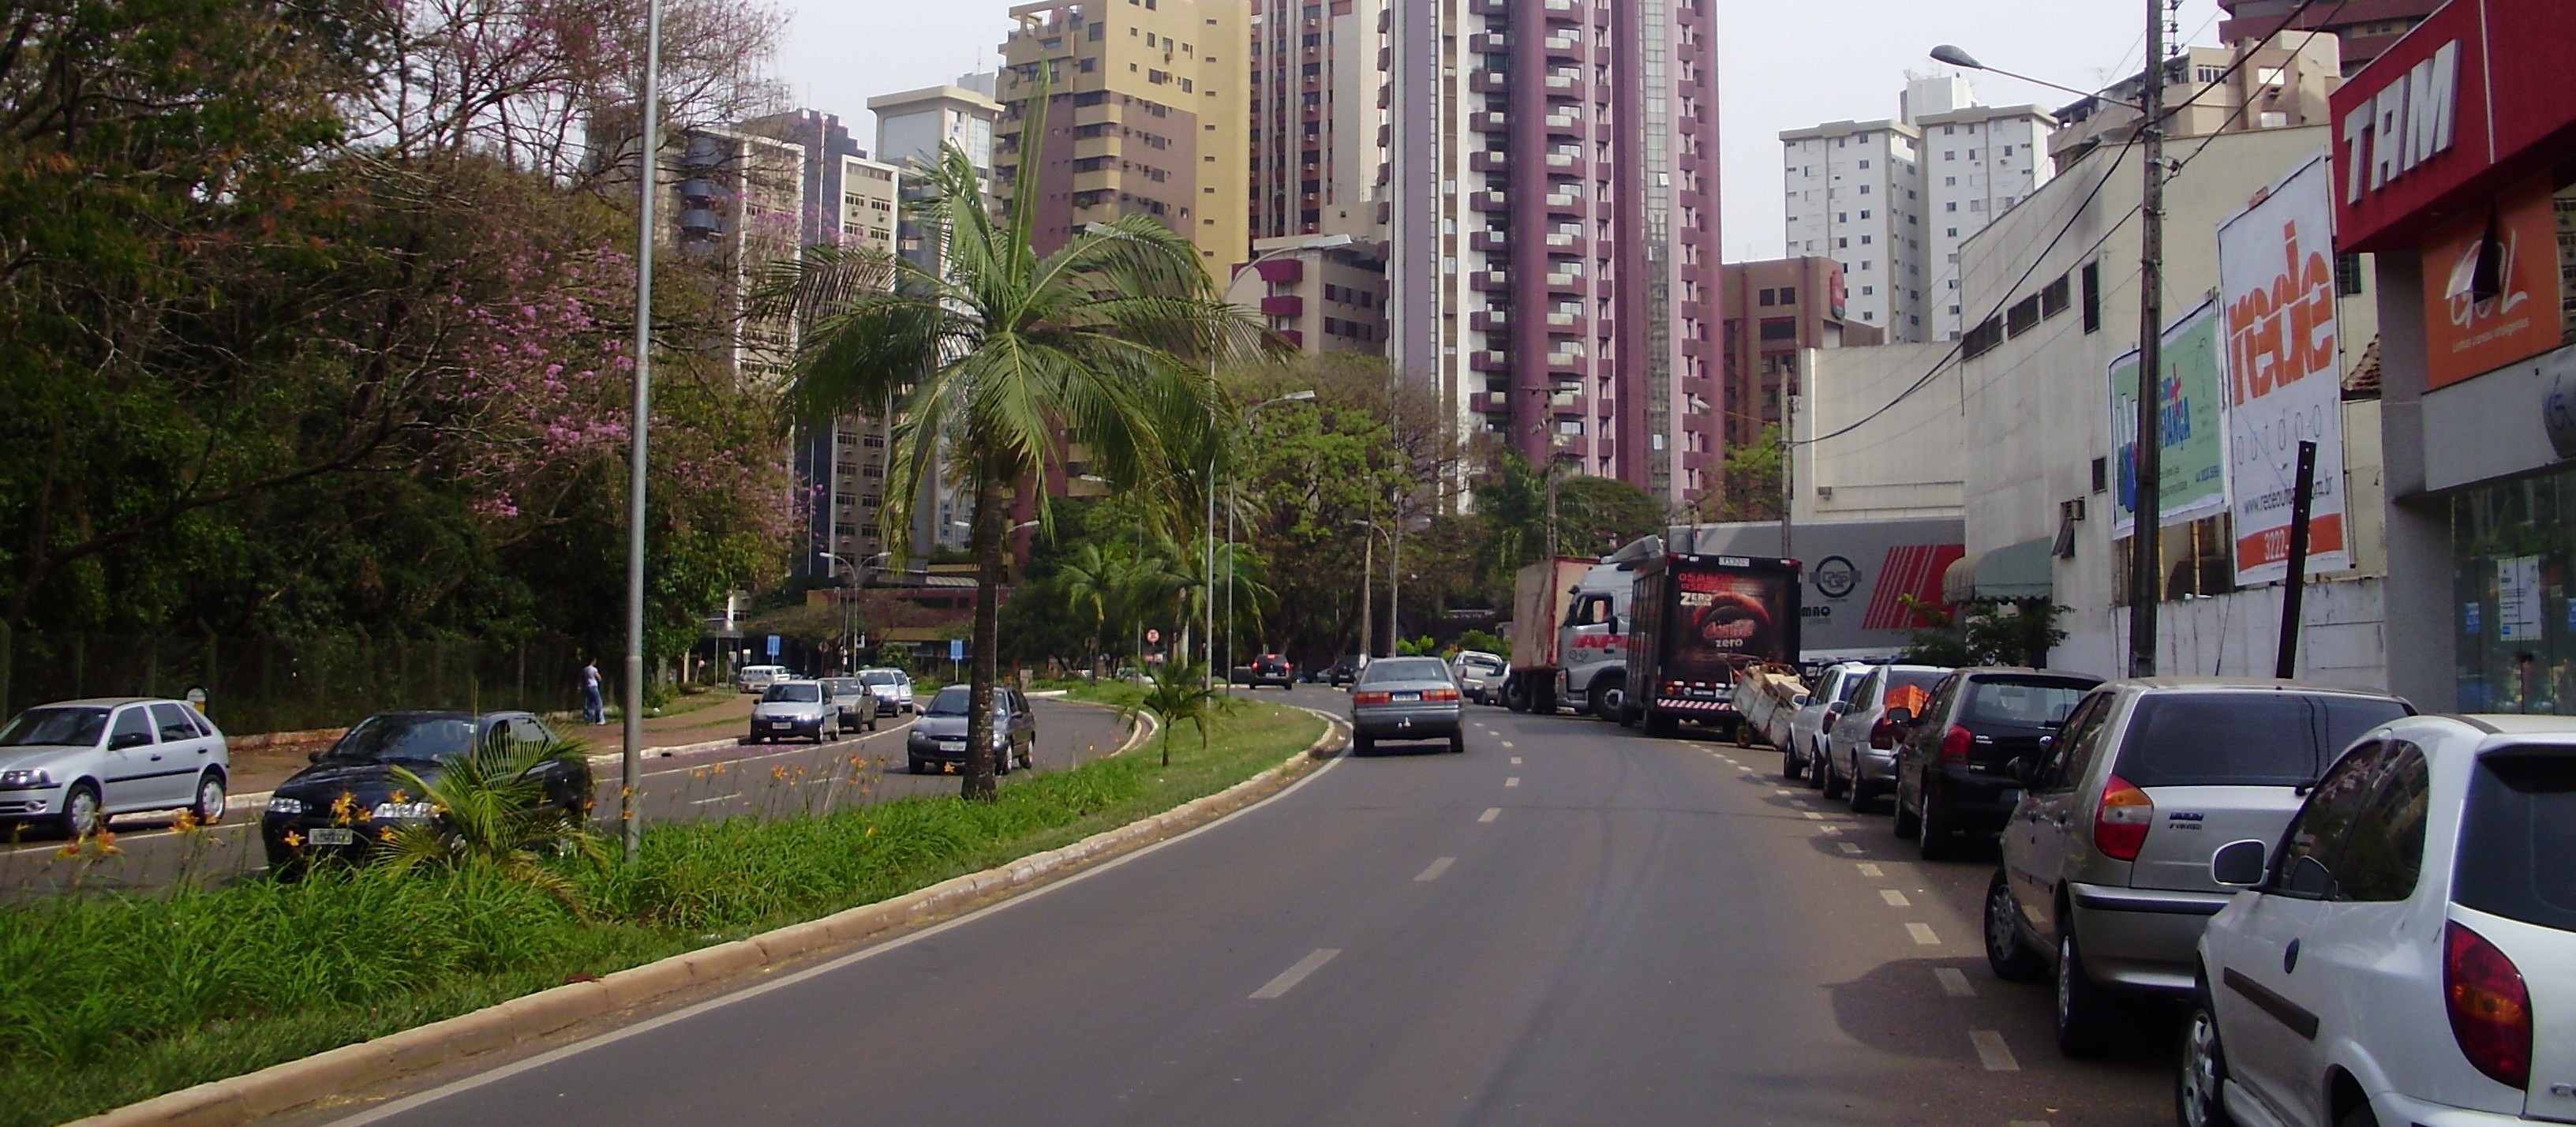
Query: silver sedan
(1406, 698)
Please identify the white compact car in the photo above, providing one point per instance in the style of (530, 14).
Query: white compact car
(2406, 954)
(758, 678)
(71, 766)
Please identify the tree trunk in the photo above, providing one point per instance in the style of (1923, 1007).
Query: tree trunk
(989, 517)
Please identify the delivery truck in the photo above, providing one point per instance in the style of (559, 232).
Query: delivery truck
(1570, 632)
(1698, 623)
(1863, 583)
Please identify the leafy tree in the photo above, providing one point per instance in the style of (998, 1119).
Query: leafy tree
(1487, 641)
(1749, 486)
(1007, 358)
(1986, 632)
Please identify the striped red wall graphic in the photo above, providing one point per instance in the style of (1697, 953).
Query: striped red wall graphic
(1910, 569)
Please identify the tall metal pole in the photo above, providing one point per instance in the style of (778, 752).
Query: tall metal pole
(1368, 591)
(1207, 592)
(2146, 567)
(1788, 471)
(648, 164)
(1395, 583)
(2294, 587)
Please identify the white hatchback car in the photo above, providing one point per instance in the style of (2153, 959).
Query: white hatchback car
(71, 766)
(2406, 955)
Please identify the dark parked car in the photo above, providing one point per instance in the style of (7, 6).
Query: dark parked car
(1950, 777)
(1272, 669)
(350, 795)
(938, 740)
(1406, 698)
(1346, 670)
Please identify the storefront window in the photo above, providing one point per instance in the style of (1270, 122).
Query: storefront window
(2199, 560)
(2516, 627)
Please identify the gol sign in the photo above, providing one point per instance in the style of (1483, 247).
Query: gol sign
(2284, 374)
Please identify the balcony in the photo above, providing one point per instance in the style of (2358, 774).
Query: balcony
(1489, 121)
(1568, 404)
(1566, 283)
(1491, 401)
(1488, 43)
(1564, 160)
(1282, 271)
(1564, 201)
(1565, 124)
(1491, 242)
(1566, 364)
(1563, 47)
(1564, 9)
(1489, 360)
(1284, 305)
(1490, 199)
(1562, 81)
(1488, 160)
(1568, 322)
(1490, 7)
(1567, 241)
(1488, 82)
(1489, 321)
(1489, 281)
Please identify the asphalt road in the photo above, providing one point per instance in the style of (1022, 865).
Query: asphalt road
(738, 779)
(1572, 924)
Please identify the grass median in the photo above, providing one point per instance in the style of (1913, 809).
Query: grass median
(112, 999)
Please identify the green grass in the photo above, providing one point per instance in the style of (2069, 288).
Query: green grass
(113, 999)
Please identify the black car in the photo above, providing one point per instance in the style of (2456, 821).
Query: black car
(937, 743)
(350, 796)
(1272, 669)
(1345, 670)
(1951, 776)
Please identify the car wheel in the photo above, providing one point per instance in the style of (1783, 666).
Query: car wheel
(1908, 823)
(1604, 699)
(1790, 766)
(2011, 959)
(2083, 1017)
(1856, 792)
(81, 814)
(1835, 787)
(211, 800)
(1937, 833)
(1458, 743)
(919, 767)
(2358, 1115)
(2200, 1082)
(1815, 767)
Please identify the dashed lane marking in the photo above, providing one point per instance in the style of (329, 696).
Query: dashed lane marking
(1848, 847)
(1516, 761)
(1437, 867)
(1922, 934)
(1872, 871)
(1513, 781)
(718, 798)
(1812, 816)
(1491, 813)
(1954, 982)
(1508, 743)
(1894, 898)
(1289, 978)
(1992, 1052)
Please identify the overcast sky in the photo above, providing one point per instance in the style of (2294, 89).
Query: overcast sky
(1783, 65)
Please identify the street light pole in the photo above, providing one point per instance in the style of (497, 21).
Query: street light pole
(2146, 579)
(1307, 396)
(630, 759)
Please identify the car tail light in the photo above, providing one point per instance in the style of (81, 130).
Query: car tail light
(1954, 746)
(1882, 735)
(1372, 698)
(1440, 695)
(2490, 1008)
(2120, 825)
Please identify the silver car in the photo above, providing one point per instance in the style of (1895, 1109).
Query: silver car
(1860, 748)
(892, 688)
(938, 739)
(2105, 874)
(69, 767)
(1804, 758)
(857, 705)
(1406, 698)
(795, 708)
(1480, 675)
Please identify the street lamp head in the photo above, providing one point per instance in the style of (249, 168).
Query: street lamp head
(1956, 57)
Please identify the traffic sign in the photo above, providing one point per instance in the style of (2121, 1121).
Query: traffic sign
(773, 645)
(956, 649)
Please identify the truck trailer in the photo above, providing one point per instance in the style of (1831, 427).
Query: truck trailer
(1699, 621)
(1862, 579)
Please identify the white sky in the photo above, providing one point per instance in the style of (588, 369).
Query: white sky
(1784, 64)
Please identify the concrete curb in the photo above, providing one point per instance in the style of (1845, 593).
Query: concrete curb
(282, 1087)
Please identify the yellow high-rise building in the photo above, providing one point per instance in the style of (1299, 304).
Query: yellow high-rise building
(1146, 115)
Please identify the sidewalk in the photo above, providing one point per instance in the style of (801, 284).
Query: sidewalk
(257, 771)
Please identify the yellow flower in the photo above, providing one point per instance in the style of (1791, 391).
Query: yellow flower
(294, 840)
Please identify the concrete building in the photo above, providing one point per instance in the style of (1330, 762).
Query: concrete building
(1978, 162)
(2283, 84)
(2036, 393)
(1772, 311)
(1147, 115)
(1553, 217)
(1322, 298)
(2362, 28)
(1317, 165)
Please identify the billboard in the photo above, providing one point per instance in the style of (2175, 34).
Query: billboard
(2491, 286)
(2276, 283)
(1859, 576)
(1729, 619)
(2193, 481)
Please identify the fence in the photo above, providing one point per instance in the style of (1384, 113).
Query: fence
(290, 684)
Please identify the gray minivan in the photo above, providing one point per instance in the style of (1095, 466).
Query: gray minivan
(2105, 875)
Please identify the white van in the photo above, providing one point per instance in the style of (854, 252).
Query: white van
(758, 678)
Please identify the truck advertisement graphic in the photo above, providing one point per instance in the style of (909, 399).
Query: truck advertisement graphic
(1699, 621)
(1729, 620)
(1860, 575)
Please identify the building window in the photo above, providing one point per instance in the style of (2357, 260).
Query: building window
(2092, 275)
(1770, 296)
(2348, 268)
(2199, 561)
(1982, 339)
(2053, 297)
(1788, 295)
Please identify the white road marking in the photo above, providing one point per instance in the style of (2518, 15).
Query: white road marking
(1894, 898)
(1516, 760)
(1873, 871)
(1829, 831)
(1783, 790)
(1848, 847)
(1289, 978)
(1992, 1052)
(718, 798)
(1811, 816)
(1491, 813)
(1508, 743)
(1513, 781)
(1437, 867)
(1922, 934)
(1954, 982)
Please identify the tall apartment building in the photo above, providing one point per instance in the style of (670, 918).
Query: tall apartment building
(2283, 83)
(1553, 215)
(1892, 200)
(1315, 82)
(2362, 28)
(1317, 296)
(913, 128)
(1147, 116)
(1772, 311)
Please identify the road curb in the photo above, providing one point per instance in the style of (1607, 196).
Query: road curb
(282, 1087)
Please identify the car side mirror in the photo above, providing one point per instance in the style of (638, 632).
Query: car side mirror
(2239, 864)
(1900, 716)
(1799, 701)
(313, 756)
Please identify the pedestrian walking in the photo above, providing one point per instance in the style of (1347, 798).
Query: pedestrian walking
(594, 710)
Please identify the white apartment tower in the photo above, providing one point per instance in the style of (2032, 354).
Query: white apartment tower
(1892, 201)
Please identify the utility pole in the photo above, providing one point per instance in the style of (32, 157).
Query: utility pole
(1788, 469)
(649, 164)
(2294, 586)
(1368, 591)
(2146, 567)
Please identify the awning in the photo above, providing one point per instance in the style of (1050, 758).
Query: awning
(2022, 571)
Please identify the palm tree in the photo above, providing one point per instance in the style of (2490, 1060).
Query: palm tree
(1182, 695)
(1090, 585)
(492, 809)
(1012, 356)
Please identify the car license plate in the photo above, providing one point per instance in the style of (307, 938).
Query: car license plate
(333, 835)
(1406, 696)
(952, 745)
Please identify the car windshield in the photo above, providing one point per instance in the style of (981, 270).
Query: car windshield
(404, 738)
(77, 726)
(1405, 669)
(1487, 664)
(2022, 702)
(951, 701)
(1849, 687)
(844, 687)
(793, 692)
(2518, 840)
(2244, 739)
(1911, 689)
(881, 678)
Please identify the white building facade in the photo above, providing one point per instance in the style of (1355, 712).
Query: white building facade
(1855, 195)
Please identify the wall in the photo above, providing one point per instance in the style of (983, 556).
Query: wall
(1906, 462)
